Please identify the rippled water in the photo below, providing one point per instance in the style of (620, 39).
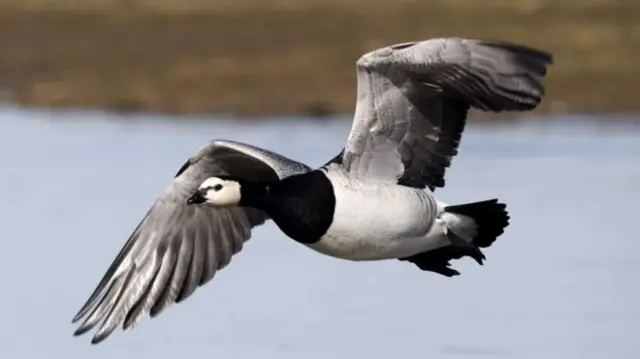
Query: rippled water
(563, 282)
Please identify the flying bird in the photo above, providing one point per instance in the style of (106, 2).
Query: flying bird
(372, 201)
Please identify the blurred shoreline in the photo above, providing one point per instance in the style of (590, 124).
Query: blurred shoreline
(249, 58)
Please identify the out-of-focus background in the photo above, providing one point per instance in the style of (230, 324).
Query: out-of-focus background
(102, 101)
(254, 57)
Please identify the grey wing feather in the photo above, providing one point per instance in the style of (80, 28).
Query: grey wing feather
(413, 100)
(177, 247)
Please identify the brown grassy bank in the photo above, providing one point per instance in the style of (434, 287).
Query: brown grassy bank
(255, 57)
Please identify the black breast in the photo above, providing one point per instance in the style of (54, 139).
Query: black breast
(303, 206)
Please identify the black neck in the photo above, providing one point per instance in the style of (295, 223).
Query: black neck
(255, 194)
(302, 205)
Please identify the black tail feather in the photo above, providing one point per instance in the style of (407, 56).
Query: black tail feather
(490, 216)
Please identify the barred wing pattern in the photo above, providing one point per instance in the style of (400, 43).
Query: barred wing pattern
(177, 247)
(413, 100)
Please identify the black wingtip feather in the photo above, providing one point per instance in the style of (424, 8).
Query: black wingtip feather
(538, 54)
(81, 330)
(98, 338)
(519, 88)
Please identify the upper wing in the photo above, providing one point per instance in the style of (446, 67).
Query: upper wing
(177, 247)
(413, 100)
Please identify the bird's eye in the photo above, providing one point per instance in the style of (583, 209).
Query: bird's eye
(217, 187)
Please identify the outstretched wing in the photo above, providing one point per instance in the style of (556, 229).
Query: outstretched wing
(413, 100)
(177, 247)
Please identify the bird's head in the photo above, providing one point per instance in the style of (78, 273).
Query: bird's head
(217, 192)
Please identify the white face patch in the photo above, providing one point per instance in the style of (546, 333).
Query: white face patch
(220, 193)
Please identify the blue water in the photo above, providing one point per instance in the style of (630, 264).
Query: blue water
(563, 282)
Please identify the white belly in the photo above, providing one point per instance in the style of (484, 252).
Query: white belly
(374, 221)
(370, 249)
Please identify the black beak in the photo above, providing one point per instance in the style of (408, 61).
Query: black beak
(196, 198)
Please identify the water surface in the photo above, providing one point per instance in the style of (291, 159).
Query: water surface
(561, 283)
